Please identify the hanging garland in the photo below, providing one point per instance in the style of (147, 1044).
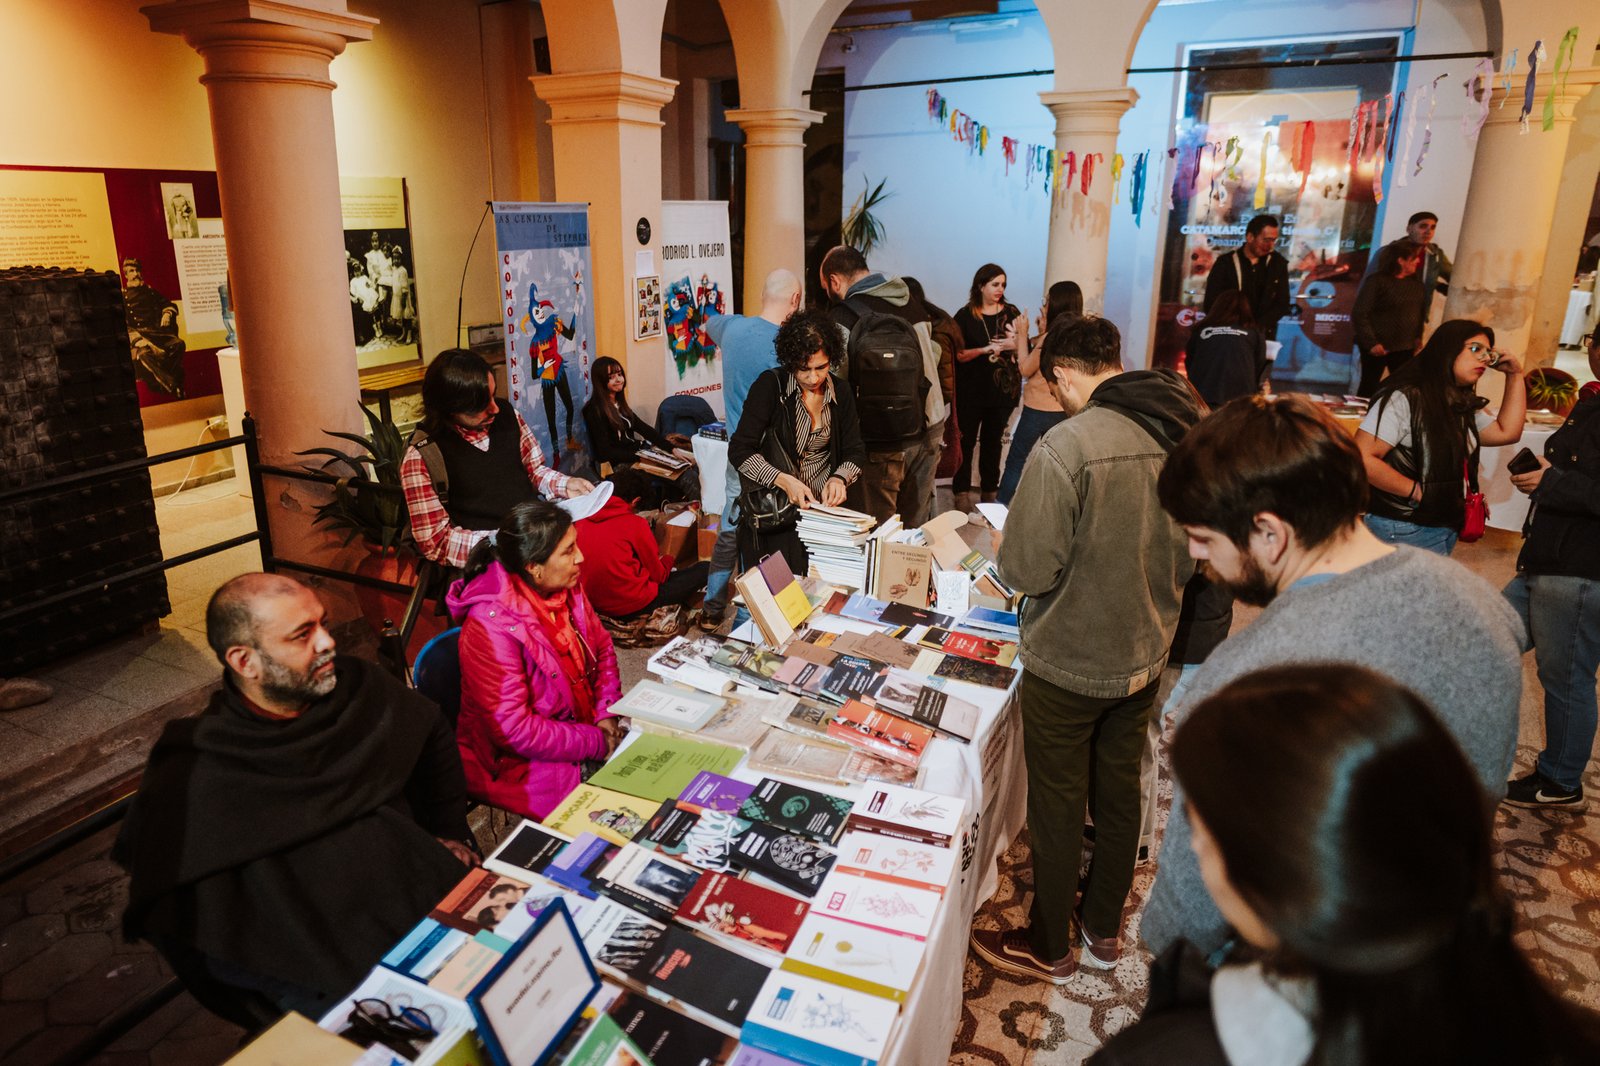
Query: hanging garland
(1379, 129)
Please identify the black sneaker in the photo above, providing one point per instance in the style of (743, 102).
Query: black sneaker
(1537, 790)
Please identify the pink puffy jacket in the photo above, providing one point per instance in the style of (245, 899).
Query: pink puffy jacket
(519, 736)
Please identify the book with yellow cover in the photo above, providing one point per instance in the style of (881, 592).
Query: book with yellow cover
(612, 816)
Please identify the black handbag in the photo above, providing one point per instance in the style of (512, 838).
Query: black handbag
(767, 509)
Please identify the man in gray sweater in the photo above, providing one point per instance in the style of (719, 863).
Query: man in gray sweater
(1270, 493)
(1103, 570)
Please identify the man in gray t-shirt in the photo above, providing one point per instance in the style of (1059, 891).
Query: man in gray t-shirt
(1271, 494)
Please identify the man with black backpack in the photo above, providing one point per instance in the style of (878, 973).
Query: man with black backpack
(892, 363)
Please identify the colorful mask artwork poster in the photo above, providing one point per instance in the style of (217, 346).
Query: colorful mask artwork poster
(542, 260)
(697, 273)
(1327, 213)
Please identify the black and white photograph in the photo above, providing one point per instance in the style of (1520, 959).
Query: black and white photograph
(382, 289)
(177, 203)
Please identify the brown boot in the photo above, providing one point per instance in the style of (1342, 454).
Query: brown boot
(991, 497)
(963, 502)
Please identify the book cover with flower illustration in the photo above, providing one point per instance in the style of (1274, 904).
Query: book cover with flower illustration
(905, 862)
(910, 814)
(894, 908)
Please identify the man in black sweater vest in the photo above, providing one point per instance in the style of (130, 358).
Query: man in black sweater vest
(471, 461)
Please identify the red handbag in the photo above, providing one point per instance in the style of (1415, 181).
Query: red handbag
(1476, 518)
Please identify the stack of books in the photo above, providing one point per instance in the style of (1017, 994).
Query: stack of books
(836, 538)
(670, 465)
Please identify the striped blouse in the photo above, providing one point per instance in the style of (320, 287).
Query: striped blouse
(815, 452)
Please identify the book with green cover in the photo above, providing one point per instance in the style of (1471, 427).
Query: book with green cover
(658, 767)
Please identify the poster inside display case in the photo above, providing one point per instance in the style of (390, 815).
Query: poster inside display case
(1277, 141)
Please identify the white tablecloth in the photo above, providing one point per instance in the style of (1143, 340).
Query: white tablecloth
(989, 774)
(1508, 507)
(711, 455)
(1576, 324)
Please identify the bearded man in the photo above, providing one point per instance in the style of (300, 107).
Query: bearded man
(286, 837)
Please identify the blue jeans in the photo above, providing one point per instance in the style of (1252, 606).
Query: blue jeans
(1563, 618)
(1437, 539)
(725, 554)
(1031, 425)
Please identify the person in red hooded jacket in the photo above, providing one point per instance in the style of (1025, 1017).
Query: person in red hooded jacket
(624, 573)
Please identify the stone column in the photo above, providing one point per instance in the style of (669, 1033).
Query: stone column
(266, 77)
(1505, 228)
(606, 129)
(775, 195)
(1087, 122)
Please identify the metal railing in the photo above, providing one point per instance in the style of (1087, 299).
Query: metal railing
(393, 641)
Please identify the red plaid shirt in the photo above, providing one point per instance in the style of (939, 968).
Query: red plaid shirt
(436, 538)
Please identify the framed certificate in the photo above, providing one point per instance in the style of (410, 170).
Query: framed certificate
(526, 1004)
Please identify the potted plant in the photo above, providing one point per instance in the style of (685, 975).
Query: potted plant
(377, 515)
(862, 229)
(1554, 390)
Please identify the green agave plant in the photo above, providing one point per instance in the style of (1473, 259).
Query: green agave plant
(377, 515)
(862, 229)
(1552, 389)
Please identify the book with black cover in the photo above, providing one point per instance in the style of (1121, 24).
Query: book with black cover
(819, 815)
(528, 849)
(715, 983)
(665, 1037)
(787, 859)
(975, 672)
(702, 840)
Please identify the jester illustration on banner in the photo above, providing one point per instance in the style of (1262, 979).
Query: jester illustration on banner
(543, 268)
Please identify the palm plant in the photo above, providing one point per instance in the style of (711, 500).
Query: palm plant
(862, 229)
(359, 505)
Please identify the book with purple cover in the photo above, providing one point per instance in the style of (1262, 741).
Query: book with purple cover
(712, 791)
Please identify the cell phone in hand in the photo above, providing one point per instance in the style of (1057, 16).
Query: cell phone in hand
(1524, 462)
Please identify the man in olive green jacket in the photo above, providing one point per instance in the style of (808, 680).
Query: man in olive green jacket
(1102, 568)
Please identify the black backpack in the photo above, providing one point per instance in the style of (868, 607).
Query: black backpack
(886, 373)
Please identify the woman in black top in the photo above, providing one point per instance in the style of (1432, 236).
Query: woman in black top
(990, 329)
(798, 430)
(616, 434)
(1226, 354)
(1388, 314)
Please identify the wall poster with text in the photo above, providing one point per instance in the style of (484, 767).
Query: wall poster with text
(379, 264)
(161, 230)
(542, 265)
(697, 272)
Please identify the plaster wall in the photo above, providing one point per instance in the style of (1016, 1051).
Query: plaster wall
(99, 89)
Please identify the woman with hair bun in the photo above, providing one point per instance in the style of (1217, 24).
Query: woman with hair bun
(1371, 925)
(538, 670)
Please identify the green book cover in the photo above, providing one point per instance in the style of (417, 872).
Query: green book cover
(657, 767)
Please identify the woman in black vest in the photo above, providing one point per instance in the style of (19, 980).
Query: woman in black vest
(1420, 440)
(799, 431)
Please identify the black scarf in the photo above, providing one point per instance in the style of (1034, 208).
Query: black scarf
(289, 848)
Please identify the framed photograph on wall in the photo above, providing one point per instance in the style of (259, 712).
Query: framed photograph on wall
(647, 307)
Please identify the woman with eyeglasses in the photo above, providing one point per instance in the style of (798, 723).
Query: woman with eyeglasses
(1421, 437)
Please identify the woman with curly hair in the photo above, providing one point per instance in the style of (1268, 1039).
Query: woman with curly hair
(799, 431)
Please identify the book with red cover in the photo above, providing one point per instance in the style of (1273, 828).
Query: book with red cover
(478, 901)
(886, 735)
(728, 907)
(970, 646)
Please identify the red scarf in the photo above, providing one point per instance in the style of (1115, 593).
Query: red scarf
(555, 618)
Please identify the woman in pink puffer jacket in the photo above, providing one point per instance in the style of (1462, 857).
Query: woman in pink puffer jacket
(538, 672)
